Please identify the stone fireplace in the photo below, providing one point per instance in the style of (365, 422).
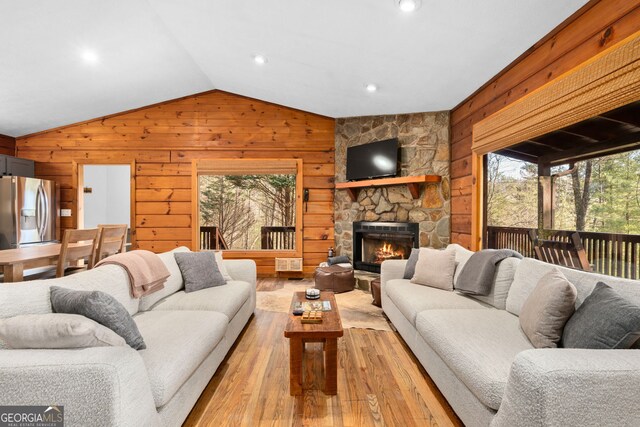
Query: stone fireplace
(424, 150)
(375, 242)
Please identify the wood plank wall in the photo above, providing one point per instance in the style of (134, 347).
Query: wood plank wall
(7, 145)
(163, 140)
(595, 27)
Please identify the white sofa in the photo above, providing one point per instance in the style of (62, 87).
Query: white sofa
(476, 353)
(187, 337)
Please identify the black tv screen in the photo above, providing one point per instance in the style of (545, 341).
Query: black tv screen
(373, 160)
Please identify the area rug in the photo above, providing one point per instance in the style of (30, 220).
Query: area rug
(356, 310)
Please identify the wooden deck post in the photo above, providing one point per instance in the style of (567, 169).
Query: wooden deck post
(545, 198)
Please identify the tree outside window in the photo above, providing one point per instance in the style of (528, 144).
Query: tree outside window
(599, 195)
(241, 206)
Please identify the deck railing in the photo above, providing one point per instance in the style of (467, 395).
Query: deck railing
(211, 238)
(612, 254)
(278, 237)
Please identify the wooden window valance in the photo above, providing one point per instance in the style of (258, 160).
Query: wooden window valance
(247, 166)
(607, 81)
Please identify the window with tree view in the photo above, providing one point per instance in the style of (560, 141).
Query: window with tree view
(596, 195)
(248, 212)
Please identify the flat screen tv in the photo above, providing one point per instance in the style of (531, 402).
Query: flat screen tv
(373, 160)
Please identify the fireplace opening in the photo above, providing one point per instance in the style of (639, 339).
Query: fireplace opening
(375, 242)
(380, 247)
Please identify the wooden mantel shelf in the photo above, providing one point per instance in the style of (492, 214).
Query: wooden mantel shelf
(412, 182)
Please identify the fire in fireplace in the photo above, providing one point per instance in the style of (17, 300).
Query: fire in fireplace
(375, 242)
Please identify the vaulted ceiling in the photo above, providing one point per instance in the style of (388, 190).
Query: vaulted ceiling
(67, 61)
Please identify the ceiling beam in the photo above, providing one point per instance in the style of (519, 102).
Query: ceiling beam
(625, 143)
(622, 122)
(518, 155)
(580, 135)
(543, 144)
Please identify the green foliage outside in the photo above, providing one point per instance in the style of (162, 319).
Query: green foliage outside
(240, 205)
(601, 195)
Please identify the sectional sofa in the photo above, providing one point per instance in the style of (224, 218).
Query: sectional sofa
(187, 336)
(486, 368)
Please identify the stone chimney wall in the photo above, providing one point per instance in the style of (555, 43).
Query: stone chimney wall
(424, 140)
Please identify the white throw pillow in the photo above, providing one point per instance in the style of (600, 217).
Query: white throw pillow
(56, 330)
(462, 256)
(221, 266)
(435, 268)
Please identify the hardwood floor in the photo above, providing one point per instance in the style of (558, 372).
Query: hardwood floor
(379, 382)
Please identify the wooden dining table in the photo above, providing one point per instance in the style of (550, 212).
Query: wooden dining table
(15, 261)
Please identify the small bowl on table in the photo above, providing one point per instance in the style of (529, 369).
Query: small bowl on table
(312, 293)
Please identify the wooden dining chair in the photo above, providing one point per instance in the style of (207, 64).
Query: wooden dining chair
(567, 254)
(77, 245)
(111, 240)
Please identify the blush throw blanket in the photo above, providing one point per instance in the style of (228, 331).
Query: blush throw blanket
(477, 274)
(147, 273)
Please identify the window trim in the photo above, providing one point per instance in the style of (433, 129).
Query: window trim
(217, 166)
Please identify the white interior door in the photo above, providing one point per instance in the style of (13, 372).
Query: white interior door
(106, 195)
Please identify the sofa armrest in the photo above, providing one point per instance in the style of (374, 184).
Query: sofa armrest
(572, 387)
(392, 269)
(96, 386)
(242, 269)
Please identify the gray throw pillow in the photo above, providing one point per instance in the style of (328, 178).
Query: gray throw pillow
(410, 267)
(199, 270)
(101, 307)
(547, 309)
(341, 259)
(605, 320)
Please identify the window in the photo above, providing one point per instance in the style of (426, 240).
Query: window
(599, 195)
(512, 192)
(249, 205)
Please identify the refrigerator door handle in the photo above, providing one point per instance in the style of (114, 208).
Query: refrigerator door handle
(38, 211)
(42, 214)
(46, 212)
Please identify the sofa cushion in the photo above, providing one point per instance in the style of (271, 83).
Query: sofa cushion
(462, 256)
(199, 270)
(177, 343)
(221, 266)
(547, 309)
(410, 266)
(479, 346)
(226, 299)
(411, 298)
(435, 268)
(173, 284)
(505, 271)
(605, 320)
(34, 299)
(56, 330)
(529, 272)
(98, 306)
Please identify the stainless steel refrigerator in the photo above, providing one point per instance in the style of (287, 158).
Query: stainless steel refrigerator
(28, 212)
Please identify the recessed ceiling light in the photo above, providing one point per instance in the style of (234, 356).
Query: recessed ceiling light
(408, 5)
(371, 87)
(89, 56)
(260, 59)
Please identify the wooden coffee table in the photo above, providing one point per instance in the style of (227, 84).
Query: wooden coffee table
(326, 332)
